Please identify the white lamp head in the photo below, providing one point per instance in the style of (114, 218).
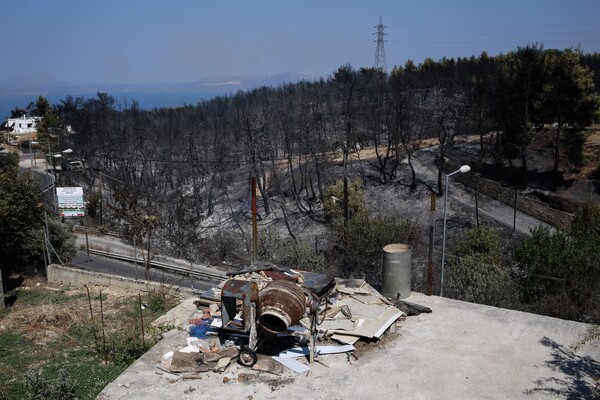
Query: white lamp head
(465, 168)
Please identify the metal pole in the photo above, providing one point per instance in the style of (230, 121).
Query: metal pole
(515, 213)
(142, 320)
(429, 284)
(135, 258)
(87, 246)
(46, 241)
(254, 228)
(463, 169)
(191, 276)
(444, 239)
(101, 184)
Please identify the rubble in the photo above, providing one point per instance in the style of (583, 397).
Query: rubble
(270, 319)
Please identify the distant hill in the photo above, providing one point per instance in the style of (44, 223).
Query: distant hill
(148, 95)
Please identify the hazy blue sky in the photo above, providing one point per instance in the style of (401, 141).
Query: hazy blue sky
(128, 41)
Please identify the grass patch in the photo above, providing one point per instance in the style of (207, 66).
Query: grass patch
(31, 297)
(51, 348)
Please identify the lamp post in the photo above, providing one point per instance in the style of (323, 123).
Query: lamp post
(34, 160)
(54, 157)
(462, 170)
(31, 157)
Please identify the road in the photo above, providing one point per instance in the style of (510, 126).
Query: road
(128, 270)
(423, 162)
(115, 245)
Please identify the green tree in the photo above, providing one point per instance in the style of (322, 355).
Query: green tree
(570, 96)
(559, 272)
(22, 239)
(334, 201)
(17, 112)
(22, 214)
(476, 270)
(49, 121)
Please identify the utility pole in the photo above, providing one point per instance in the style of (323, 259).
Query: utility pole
(429, 280)
(380, 50)
(254, 225)
(1, 291)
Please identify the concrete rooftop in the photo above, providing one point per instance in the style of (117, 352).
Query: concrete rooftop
(460, 351)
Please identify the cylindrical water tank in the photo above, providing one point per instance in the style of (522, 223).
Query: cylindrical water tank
(397, 269)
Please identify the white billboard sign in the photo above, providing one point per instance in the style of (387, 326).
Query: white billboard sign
(70, 201)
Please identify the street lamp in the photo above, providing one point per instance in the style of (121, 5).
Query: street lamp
(54, 157)
(30, 153)
(462, 170)
(33, 157)
(58, 156)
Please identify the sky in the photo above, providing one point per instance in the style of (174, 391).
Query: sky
(144, 41)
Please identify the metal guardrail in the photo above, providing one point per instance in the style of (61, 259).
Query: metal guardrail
(202, 275)
(88, 229)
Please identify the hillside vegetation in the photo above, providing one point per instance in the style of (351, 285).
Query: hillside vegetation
(337, 162)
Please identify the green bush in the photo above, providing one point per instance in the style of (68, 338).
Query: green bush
(334, 201)
(4, 391)
(40, 388)
(126, 345)
(477, 279)
(362, 240)
(159, 299)
(575, 145)
(559, 272)
(476, 272)
(288, 252)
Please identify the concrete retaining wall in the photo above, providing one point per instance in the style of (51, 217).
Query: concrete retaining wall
(59, 275)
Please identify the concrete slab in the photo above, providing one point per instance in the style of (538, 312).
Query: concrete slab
(460, 351)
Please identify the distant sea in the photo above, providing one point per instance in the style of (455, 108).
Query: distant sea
(147, 100)
(149, 96)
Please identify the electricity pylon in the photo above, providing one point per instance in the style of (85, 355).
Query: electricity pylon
(380, 51)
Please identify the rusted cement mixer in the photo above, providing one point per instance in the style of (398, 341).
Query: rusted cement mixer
(279, 305)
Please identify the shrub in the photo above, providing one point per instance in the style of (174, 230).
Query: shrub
(221, 247)
(289, 252)
(362, 240)
(40, 388)
(126, 345)
(334, 201)
(159, 299)
(475, 269)
(559, 272)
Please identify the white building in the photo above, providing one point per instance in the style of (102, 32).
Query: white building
(23, 125)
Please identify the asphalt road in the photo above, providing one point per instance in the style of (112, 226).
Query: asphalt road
(128, 270)
(495, 210)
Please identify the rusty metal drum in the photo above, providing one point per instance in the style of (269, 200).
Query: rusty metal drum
(281, 304)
